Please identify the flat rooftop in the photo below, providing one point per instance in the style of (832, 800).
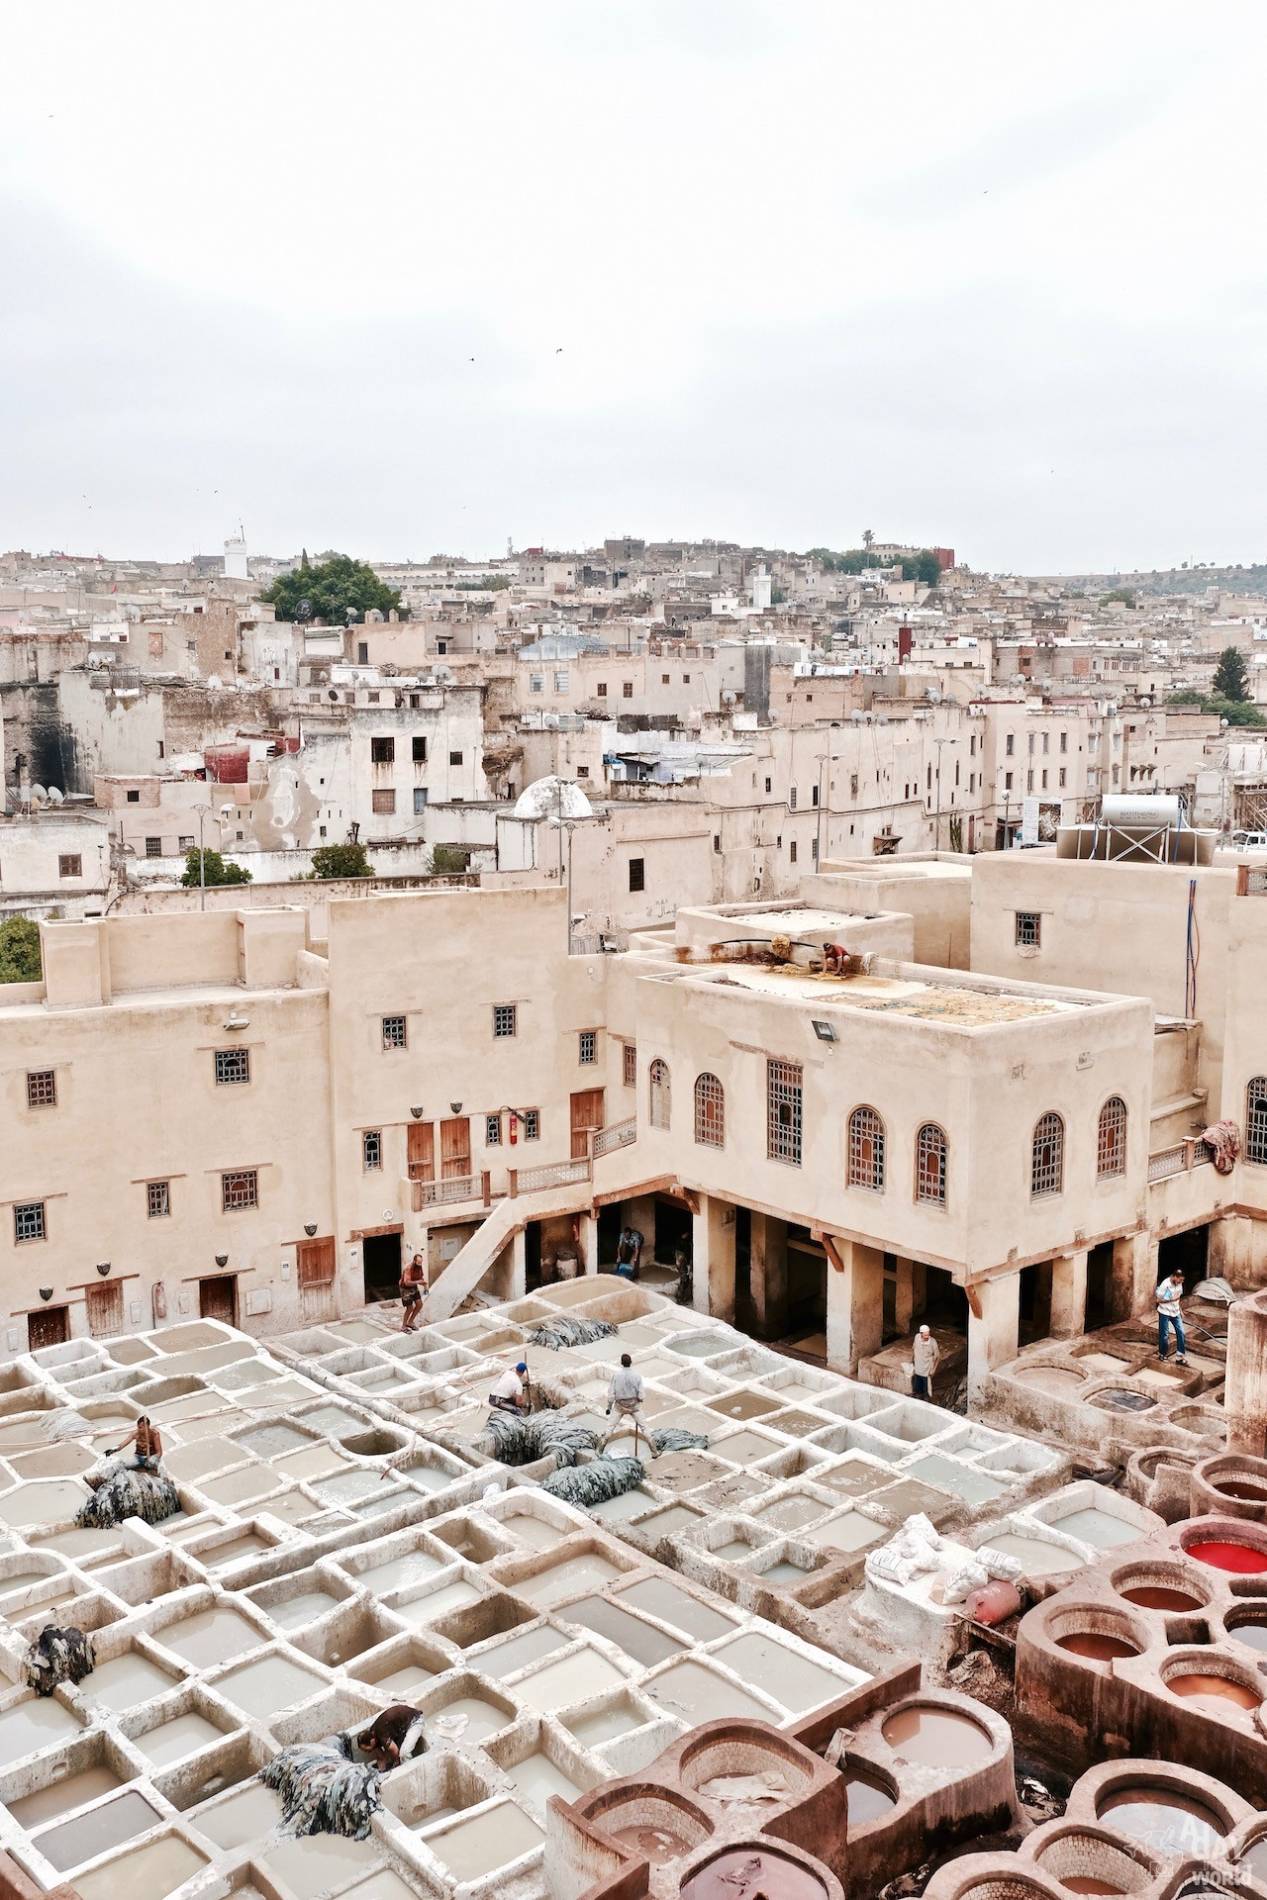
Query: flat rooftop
(800, 922)
(887, 995)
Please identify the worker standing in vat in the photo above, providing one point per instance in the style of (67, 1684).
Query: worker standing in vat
(148, 1442)
(413, 1291)
(513, 1391)
(1168, 1295)
(625, 1395)
(925, 1355)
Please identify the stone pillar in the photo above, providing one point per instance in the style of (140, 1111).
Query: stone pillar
(1069, 1295)
(518, 1277)
(905, 1308)
(1135, 1274)
(994, 1308)
(769, 1275)
(1245, 1400)
(587, 1241)
(855, 1305)
(713, 1258)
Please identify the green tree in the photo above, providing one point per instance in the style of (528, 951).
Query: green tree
(329, 591)
(1123, 594)
(1231, 676)
(927, 568)
(341, 860)
(448, 860)
(20, 951)
(214, 870)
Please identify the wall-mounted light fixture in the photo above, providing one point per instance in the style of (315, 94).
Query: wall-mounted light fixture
(824, 1031)
(103, 1267)
(456, 1107)
(222, 1259)
(310, 1228)
(46, 1292)
(237, 1022)
(416, 1113)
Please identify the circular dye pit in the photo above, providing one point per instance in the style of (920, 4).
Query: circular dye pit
(1094, 1646)
(936, 1738)
(1243, 1560)
(656, 1844)
(1089, 1883)
(1057, 1379)
(1119, 1399)
(1164, 1821)
(866, 1799)
(1244, 1490)
(1255, 1858)
(732, 1872)
(1254, 1634)
(1162, 1596)
(1212, 1692)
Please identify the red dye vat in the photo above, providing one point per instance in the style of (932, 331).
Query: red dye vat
(1241, 1558)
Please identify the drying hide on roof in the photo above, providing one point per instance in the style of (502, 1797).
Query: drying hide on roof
(323, 1791)
(561, 1332)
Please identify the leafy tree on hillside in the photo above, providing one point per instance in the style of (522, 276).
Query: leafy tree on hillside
(215, 870)
(20, 951)
(330, 591)
(1123, 594)
(1231, 676)
(341, 860)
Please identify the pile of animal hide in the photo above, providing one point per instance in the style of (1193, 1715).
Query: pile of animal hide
(323, 1791)
(591, 1484)
(561, 1332)
(119, 1492)
(521, 1441)
(57, 1656)
(673, 1438)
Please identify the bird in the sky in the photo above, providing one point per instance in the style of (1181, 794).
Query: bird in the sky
(559, 351)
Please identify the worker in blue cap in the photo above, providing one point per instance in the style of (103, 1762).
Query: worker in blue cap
(513, 1391)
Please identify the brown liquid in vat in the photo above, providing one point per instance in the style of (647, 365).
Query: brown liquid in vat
(1159, 1596)
(1243, 1488)
(940, 1738)
(1213, 1692)
(1096, 1647)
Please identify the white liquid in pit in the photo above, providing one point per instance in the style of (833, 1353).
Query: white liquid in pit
(850, 1531)
(492, 1839)
(114, 1822)
(62, 1797)
(123, 1683)
(45, 1501)
(319, 1864)
(537, 1778)
(29, 1726)
(532, 1531)
(248, 1545)
(606, 1724)
(311, 1463)
(243, 1817)
(149, 1873)
(240, 1487)
(403, 1684)
(575, 1678)
(566, 1579)
(1040, 1559)
(333, 1419)
(450, 1596)
(1099, 1528)
(295, 1611)
(269, 1441)
(86, 1547)
(697, 1694)
(782, 1672)
(212, 1636)
(383, 1885)
(658, 1597)
(172, 1741)
(734, 1551)
(348, 1486)
(468, 1719)
(785, 1572)
(266, 1687)
(667, 1523)
(516, 1652)
(430, 1477)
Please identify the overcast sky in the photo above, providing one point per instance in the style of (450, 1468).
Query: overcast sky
(987, 275)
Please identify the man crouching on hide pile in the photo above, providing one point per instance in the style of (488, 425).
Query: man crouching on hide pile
(394, 1736)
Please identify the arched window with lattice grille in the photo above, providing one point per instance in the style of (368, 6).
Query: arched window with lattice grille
(865, 1159)
(658, 1103)
(1256, 1120)
(1110, 1141)
(710, 1112)
(1047, 1157)
(930, 1165)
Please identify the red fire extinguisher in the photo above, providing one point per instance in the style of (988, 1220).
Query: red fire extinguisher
(514, 1127)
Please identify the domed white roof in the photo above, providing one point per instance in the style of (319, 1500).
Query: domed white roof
(557, 799)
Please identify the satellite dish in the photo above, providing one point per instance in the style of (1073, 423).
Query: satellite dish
(38, 795)
(55, 796)
(557, 799)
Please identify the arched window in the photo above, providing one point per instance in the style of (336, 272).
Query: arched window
(1256, 1120)
(1110, 1141)
(930, 1165)
(1047, 1159)
(710, 1112)
(865, 1161)
(658, 1080)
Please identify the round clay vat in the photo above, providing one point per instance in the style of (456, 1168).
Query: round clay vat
(781, 1877)
(1094, 1860)
(1212, 1682)
(935, 1736)
(1121, 1398)
(868, 1795)
(1228, 1544)
(1096, 1636)
(723, 1753)
(651, 1822)
(1248, 1627)
(1162, 1819)
(1254, 1858)
(1061, 1381)
(1231, 1485)
(1167, 1589)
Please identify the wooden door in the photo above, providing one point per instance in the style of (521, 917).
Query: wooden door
(587, 1115)
(105, 1310)
(49, 1327)
(218, 1298)
(315, 1264)
(422, 1151)
(455, 1148)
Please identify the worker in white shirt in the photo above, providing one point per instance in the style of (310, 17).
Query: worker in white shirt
(511, 1393)
(624, 1397)
(925, 1355)
(1168, 1295)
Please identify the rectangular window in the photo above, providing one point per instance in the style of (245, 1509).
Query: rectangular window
(28, 1221)
(536, 682)
(420, 800)
(1029, 780)
(582, 771)
(1009, 744)
(767, 786)
(717, 841)
(455, 758)
(383, 751)
(41, 1088)
(1029, 929)
(629, 1065)
(239, 1189)
(1046, 743)
(853, 786)
(504, 1019)
(530, 1124)
(1064, 776)
(158, 1199)
(395, 1032)
(371, 1148)
(153, 847)
(1064, 741)
(601, 689)
(1007, 781)
(791, 798)
(587, 1046)
(637, 874)
(493, 1131)
(1044, 778)
(783, 1111)
(382, 802)
(185, 844)
(561, 681)
(664, 679)
(626, 689)
(792, 852)
(134, 798)
(418, 749)
(233, 1065)
(813, 794)
(70, 865)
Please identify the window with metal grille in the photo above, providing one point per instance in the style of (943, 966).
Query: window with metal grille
(153, 847)
(493, 1130)
(710, 1112)
(158, 1199)
(1047, 1159)
(241, 1188)
(185, 844)
(383, 803)
(626, 689)
(637, 874)
(530, 1124)
(629, 1065)
(866, 1149)
(1029, 929)
(455, 758)
(395, 1032)
(71, 865)
(783, 1111)
(1256, 1120)
(41, 1088)
(504, 1019)
(383, 751)
(587, 1046)
(930, 1165)
(659, 1102)
(420, 800)
(371, 1148)
(233, 1065)
(28, 1221)
(1110, 1143)
(418, 749)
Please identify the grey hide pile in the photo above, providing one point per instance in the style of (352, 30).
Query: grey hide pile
(521, 1441)
(57, 1656)
(561, 1332)
(323, 1791)
(673, 1438)
(591, 1484)
(119, 1492)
